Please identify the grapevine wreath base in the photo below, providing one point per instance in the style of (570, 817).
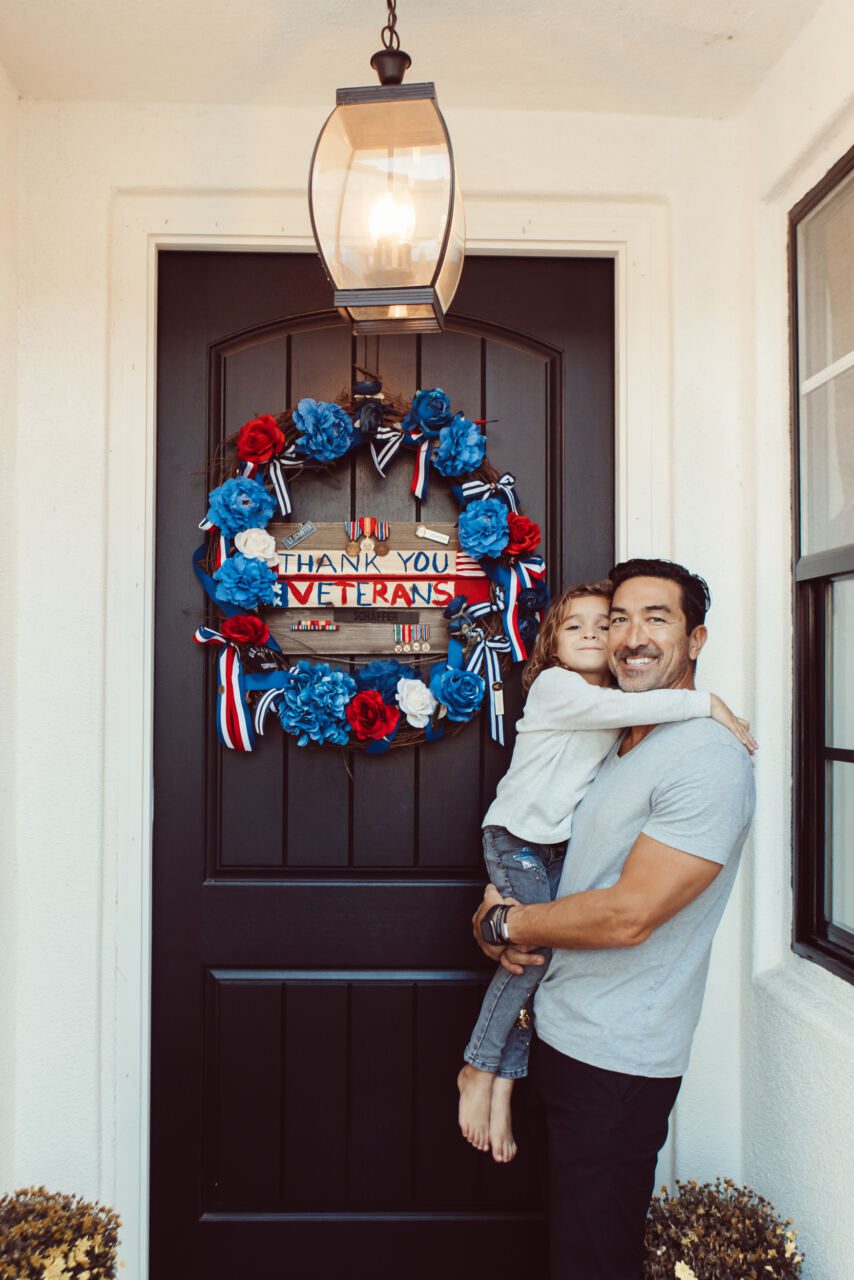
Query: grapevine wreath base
(386, 702)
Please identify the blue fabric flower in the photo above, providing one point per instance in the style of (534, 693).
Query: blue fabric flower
(462, 448)
(240, 504)
(460, 691)
(431, 410)
(534, 599)
(483, 528)
(314, 703)
(457, 605)
(327, 431)
(528, 629)
(382, 675)
(245, 582)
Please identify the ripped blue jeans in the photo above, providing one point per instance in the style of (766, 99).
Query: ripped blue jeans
(502, 1035)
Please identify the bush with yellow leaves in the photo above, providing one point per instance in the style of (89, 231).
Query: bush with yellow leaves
(718, 1232)
(45, 1235)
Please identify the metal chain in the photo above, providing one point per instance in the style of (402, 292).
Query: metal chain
(390, 38)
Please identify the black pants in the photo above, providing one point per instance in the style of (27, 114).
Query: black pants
(605, 1131)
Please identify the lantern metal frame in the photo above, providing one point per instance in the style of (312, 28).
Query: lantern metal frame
(390, 64)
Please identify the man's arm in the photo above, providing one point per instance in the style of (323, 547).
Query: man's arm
(656, 883)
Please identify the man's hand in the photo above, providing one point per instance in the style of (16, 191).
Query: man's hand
(491, 898)
(513, 958)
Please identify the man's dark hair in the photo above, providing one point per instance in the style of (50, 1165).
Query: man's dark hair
(696, 597)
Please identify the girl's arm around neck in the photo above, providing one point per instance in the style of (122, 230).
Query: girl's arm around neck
(563, 700)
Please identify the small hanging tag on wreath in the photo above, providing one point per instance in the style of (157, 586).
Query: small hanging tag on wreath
(454, 604)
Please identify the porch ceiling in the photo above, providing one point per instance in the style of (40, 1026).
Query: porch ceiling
(672, 57)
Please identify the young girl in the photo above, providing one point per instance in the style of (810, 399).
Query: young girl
(571, 720)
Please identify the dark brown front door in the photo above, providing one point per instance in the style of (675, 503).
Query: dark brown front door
(314, 978)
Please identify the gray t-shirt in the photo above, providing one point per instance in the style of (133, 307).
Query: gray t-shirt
(634, 1009)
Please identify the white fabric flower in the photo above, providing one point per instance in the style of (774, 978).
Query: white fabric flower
(257, 544)
(416, 701)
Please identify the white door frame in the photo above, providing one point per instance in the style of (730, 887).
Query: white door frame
(634, 233)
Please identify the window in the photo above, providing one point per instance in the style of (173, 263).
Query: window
(821, 249)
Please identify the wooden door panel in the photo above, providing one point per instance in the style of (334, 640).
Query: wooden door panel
(449, 779)
(309, 1073)
(314, 981)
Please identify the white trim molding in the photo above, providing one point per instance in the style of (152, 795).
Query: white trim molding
(635, 233)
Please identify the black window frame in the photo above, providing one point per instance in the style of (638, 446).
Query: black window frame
(813, 935)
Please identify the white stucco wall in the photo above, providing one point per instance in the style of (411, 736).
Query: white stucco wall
(798, 1027)
(8, 339)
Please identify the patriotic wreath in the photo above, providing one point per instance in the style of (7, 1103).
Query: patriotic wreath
(385, 702)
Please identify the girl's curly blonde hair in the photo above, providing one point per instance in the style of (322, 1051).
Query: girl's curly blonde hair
(545, 647)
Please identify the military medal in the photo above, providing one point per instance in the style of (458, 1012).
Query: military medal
(411, 637)
(367, 534)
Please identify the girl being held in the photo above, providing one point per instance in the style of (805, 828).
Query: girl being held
(572, 717)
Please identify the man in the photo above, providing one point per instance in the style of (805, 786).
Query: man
(651, 861)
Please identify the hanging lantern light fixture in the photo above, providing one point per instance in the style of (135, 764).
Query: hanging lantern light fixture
(385, 204)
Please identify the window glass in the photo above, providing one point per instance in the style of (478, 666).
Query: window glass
(827, 465)
(840, 665)
(826, 282)
(840, 845)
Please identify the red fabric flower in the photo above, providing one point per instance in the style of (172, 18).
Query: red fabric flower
(370, 717)
(260, 439)
(525, 535)
(246, 628)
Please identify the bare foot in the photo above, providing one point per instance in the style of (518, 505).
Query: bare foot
(475, 1088)
(500, 1128)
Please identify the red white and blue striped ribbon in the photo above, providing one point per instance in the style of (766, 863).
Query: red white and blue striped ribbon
(233, 720)
(384, 445)
(222, 545)
(486, 606)
(277, 471)
(503, 487)
(518, 577)
(277, 476)
(367, 526)
(265, 703)
(421, 471)
(486, 651)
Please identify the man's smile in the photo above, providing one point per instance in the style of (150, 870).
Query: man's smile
(636, 659)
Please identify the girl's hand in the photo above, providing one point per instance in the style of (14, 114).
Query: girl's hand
(741, 728)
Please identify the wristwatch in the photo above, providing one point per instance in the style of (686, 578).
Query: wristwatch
(493, 926)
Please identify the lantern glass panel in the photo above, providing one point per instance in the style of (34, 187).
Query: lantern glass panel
(381, 193)
(449, 276)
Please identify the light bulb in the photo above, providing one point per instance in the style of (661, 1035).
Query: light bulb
(392, 219)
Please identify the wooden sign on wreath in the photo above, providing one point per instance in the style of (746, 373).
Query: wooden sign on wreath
(365, 634)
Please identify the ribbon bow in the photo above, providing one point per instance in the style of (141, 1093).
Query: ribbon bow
(233, 721)
(486, 650)
(387, 440)
(504, 488)
(277, 474)
(385, 443)
(511, 579)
